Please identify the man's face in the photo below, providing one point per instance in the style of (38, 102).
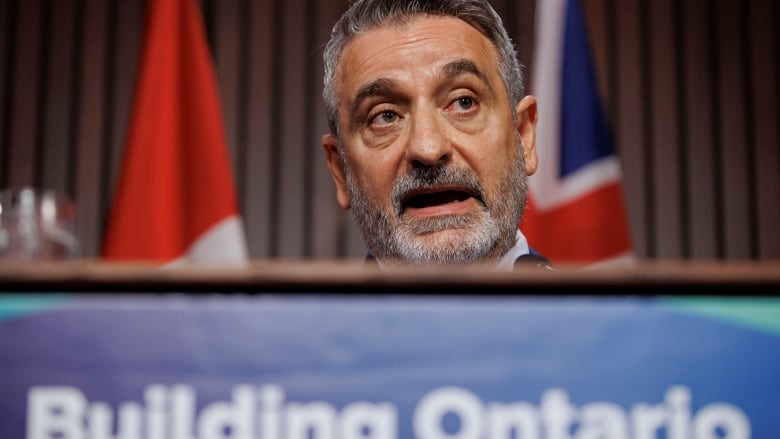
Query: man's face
(433, 163)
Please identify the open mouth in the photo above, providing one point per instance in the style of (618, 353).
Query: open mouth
(436, 200)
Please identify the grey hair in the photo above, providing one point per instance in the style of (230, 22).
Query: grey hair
(364, 15)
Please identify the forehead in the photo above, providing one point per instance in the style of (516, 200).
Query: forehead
(425, 43)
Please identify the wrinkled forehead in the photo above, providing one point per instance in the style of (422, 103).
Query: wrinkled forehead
(393, 43)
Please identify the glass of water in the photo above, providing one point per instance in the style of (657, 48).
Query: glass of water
(37, 225)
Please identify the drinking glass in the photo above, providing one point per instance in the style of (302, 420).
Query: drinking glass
(37, 225)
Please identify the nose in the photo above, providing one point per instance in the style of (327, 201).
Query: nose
(428, 144)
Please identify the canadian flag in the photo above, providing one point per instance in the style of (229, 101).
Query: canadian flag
(576, 212)
(175, 199)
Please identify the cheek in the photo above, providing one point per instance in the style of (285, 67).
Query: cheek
(491, 156)
(371, 169)
(375, 176)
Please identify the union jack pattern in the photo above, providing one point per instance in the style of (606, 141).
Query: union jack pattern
(576, 211)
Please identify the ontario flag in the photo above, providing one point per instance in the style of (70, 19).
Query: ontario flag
(576, 211)
(175, 199)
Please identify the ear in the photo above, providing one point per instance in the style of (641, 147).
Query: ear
(526, 127)
(331, 145)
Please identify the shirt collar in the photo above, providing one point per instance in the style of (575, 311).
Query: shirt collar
(507, 263)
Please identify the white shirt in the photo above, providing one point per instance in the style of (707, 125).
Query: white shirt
(507, 263)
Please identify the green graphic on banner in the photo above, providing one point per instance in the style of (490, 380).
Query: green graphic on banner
(20, 305)
(756, 313)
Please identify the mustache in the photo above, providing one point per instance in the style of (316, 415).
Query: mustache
(432, 177)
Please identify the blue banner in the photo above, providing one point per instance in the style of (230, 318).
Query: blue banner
(385, 367)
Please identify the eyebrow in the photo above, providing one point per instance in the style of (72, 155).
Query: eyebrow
(461, 66)
(379, 87)
(388, 87)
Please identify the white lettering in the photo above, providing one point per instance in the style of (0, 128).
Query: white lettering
(271, 399)
(429, 415)
(315, 420)
(647, 419)
(100, 421)
(363, 420)
(221, 420)
(155, 412)
(444, 413)
(520, 417)
(182, 412)
(725, 417)
(130, 421)
(55, 412)
(557, 413)
(678, 400)
(603, 421)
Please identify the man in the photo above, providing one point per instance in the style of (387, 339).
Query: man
(431, 135)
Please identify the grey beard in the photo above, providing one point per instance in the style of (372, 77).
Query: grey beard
(486, 234)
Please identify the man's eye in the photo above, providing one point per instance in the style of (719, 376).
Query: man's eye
(464, 103)
(384, 118)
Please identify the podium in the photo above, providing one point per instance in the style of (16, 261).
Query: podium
(338, 350)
